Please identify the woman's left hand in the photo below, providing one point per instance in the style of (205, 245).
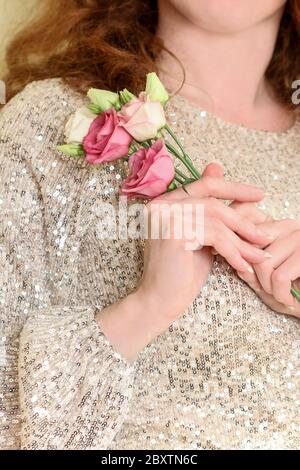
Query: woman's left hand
(272, 279)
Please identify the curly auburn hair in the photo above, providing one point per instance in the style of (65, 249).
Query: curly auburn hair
(112, 44)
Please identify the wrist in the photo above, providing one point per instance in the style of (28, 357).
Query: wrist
(131, 324)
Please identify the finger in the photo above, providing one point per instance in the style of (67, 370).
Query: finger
(279, 228)
(250, 279)
(251, 212)
(241, 225)
(250, 252)
(282, 278)
(214, 169)
(280, 250)
(209, 186)
(215, 187)
(218, 236)
(278, 306)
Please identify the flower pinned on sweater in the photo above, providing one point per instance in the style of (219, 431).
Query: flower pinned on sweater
(107, 140)
(78, 125)
(143, 118)
(122, 125)
(151, 171)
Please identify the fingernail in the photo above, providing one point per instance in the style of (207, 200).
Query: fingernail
(253, 287)
(267, 193)
(249, 268)
(266, 254)
(292, 309)
(258, 251)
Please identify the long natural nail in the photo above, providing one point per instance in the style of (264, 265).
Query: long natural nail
(256, 289)
(261, 252)
(249, 268)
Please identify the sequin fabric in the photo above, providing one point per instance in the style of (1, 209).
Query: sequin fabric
(225, 375)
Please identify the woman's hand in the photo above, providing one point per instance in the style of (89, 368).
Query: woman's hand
(174, 275)
(272, 279)
(222, 228)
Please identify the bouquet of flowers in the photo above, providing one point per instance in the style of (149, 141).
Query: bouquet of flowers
(121, 125)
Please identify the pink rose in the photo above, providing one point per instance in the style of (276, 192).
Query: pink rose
(142, 118)
(151, 172)
(107, 140)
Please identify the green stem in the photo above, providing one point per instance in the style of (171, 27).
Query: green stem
(186, 159)
(183, 160)
(144, 144)
(182, 175)
(295, 293)
(177, 178)
(175, 138)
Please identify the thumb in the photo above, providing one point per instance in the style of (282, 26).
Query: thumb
(214, 169)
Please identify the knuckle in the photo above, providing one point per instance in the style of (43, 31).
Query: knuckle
(279, 276)
(208, 182)
(218, 227)
(213, 205)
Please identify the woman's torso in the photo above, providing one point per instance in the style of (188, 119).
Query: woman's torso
(227, 373)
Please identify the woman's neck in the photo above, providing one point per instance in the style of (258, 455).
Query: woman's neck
(224, 72)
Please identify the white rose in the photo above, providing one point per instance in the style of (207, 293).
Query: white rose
(143, 118)
(78, 125)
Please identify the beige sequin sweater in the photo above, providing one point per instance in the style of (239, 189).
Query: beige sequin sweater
(225, 375)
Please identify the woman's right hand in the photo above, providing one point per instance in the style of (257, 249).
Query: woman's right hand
(174, 275)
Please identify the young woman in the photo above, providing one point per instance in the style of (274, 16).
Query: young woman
(202, 349)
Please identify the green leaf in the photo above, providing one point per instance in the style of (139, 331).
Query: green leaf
(126, 96)
(172, 186)
(72, 150)
(94, 108)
